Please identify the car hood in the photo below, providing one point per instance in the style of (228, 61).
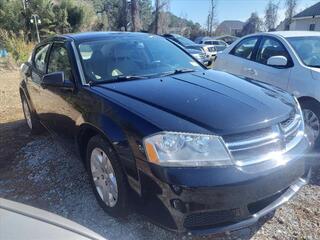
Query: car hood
(214, 100)
(19, 221)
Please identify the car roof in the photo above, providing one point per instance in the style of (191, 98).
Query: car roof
(87, 36)
(287, 34)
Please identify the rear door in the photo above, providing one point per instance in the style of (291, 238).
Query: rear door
(260, 70)
(237, 60)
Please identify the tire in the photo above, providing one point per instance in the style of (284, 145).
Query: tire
(31, 117)
(310, 108)
(118, 208)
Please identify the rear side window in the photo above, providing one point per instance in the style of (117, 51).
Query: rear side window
(270, 47)
(245, 48)
(59, 61)
(40, 57)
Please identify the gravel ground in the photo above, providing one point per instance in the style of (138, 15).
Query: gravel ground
(44, 171)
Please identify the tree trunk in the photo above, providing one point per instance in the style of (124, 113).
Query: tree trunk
(122, 22)
(135, 16)
(211, 17)
(156, 22)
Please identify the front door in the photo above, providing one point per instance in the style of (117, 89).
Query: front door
(59, 113)
(38, 69)
(260, 70)
(238, 60)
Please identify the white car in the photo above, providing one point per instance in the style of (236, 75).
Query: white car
(210, 51)
(218, 44)
(289, 60)
(22, 222)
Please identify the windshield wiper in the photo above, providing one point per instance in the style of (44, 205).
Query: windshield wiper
(120, 78)
(178, 71)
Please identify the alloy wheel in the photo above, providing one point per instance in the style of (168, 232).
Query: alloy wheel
(312, 122)
(104, 177)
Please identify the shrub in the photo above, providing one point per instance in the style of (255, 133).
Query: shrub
(18, 49)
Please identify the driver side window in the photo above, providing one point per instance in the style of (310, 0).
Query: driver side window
(40, 58)
(270, 47)
(59, 61)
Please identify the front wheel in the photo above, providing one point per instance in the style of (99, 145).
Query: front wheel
(311, 114)
(107, 177)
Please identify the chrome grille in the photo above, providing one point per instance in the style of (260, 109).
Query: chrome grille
(202, 55)
(262, 145)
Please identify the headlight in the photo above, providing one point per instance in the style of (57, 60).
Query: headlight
(186, 150)
(196, 55)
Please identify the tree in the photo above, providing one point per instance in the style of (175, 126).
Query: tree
(145, 13)
(135, 15)
(211, 18)
(107, 14)
(271, 15)
(160, 23)
(56, 17)
(291, 7)
(123, 15)
(252, 25)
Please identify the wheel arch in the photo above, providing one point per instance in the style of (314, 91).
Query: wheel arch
(87, 130)
(24, 93)
(307, 99)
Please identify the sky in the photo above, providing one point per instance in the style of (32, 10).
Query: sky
(197, 10)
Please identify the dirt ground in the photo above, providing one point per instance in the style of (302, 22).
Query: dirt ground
(43, 171)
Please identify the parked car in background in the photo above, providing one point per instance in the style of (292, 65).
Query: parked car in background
(200, 56)
(218, 44)
(202, 151)
(289, 60)
(226, 38)
(21, 222)
(209, 50)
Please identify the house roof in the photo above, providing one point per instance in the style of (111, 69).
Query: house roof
(314, 10)
(232, 24)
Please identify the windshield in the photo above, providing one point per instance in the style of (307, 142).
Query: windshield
(308, 49)
(116, 57)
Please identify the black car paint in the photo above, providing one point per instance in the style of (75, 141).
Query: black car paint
(202, 102)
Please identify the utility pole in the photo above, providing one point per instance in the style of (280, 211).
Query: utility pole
(36, 20)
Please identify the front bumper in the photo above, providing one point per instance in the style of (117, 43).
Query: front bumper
(284, 196)
(214, 200)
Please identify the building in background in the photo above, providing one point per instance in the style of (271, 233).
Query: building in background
(230, 27)
(307, 20)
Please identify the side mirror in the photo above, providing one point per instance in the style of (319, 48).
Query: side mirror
(277, 61)
(56, 79)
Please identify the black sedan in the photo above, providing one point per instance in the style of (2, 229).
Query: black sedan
(202, 151)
